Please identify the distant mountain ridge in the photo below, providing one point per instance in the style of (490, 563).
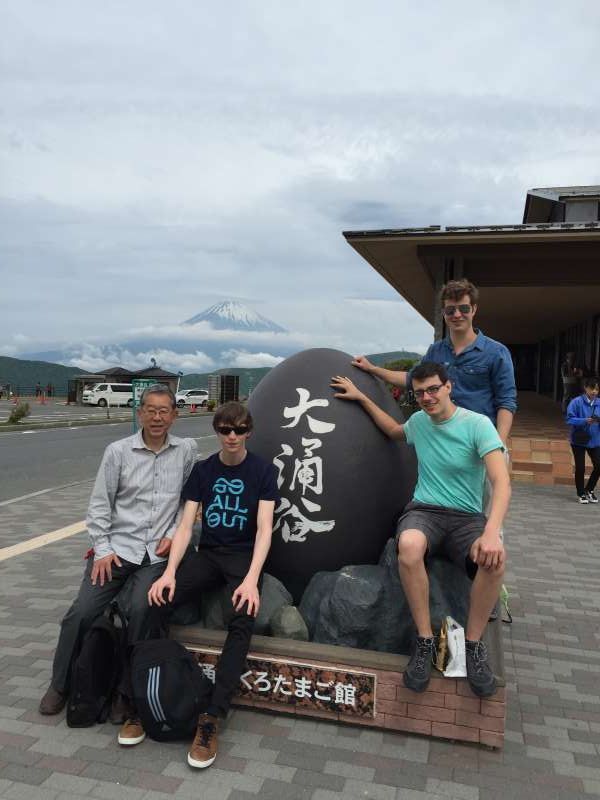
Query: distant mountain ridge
(24, 373)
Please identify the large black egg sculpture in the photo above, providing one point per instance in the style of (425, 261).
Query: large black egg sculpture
(342, 481)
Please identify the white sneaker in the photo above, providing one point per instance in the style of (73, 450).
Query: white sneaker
(583, 499)
(591, 497)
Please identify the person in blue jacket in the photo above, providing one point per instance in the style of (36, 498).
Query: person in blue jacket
(583, 417)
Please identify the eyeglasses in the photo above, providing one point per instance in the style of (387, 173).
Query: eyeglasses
(160, 412)
(450, 311)
(239, 430)
(430, 390)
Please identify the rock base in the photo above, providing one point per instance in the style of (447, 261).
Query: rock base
(360, 687)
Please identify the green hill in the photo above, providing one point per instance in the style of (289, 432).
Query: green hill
(23, 375)
(397, 355)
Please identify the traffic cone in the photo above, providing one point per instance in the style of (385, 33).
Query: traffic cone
(43, 399)
(192, 409)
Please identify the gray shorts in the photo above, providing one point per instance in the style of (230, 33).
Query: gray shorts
(448, 532)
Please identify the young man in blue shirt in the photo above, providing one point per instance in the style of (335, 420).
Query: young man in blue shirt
(480, 368)
(456, 449)
(237, 491)
(583, 417)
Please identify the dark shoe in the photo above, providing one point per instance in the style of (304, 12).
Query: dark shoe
(583, 499)
(52, 702)
(120, 709)
(204, 747)
(418, 672)
(131, 733)
(591, 497)
(481, 678)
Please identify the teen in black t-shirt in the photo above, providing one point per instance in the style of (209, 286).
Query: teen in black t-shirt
(230, 495)
(237, 491)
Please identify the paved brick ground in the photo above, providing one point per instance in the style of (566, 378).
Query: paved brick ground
(552, 659)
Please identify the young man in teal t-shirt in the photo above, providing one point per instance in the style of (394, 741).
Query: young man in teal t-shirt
(456, 449)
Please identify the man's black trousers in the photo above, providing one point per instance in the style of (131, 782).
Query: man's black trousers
(579, 456)
(91, 602)
(211, 568)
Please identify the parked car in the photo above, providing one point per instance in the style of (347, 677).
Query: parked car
(192, 397)
(109, 394)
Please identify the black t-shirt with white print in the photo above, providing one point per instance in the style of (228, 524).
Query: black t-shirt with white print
(230, 497)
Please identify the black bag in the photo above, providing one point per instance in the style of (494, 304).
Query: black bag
(96, 670)
(581, 437)
(169, 689)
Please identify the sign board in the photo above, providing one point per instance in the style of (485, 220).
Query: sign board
(322, 688)
(137, 387)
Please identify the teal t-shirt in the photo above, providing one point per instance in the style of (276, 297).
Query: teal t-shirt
(450, 456)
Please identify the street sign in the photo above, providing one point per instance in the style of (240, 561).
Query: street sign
(137, 388)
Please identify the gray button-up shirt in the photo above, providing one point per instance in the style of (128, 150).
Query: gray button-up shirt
(136, 496)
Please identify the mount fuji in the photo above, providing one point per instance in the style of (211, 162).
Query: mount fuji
(227, 334)
(233, 316)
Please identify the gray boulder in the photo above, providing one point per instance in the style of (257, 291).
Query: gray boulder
(287, 623)
(216, 605)
(365, 606)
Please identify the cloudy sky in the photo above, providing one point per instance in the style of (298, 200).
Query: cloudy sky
(158, 157)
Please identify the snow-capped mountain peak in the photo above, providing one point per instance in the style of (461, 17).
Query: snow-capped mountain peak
(231, 315)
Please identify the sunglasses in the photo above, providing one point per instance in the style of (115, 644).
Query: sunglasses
(430, 390)
(239, 430)
(450, 311)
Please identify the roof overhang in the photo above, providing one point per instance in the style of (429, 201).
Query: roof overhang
(534, 280)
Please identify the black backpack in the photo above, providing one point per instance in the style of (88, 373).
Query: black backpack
(96, 670)
(169, 689)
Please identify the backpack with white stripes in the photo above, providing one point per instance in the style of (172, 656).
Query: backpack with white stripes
(169, 689)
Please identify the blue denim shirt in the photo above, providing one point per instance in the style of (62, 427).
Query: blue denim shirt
(482, 375)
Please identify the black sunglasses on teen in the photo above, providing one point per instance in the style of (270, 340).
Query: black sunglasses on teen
(239, 430)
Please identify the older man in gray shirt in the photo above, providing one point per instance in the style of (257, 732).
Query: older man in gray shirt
(131, 520)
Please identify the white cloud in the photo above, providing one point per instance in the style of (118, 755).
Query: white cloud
(241, 358)
(140, 183)
(93, 360)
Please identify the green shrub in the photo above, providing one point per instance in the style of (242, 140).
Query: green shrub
(210, 406)
(17, 414)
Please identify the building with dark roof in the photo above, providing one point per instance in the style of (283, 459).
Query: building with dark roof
(119, 375)
(539, 281)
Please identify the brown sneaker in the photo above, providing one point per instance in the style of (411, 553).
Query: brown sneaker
(204, 747)
(52, 702)
(131, 733)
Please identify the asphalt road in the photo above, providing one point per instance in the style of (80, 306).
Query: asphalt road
(32, 461)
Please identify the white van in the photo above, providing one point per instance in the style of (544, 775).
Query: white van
(108, 394)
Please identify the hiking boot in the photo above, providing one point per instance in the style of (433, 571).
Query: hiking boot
(481, 678)
(583, 499)
(131, 733)
(204, 747)
(591, 497)
(418, 672)
(52, 702)
(120, 709)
